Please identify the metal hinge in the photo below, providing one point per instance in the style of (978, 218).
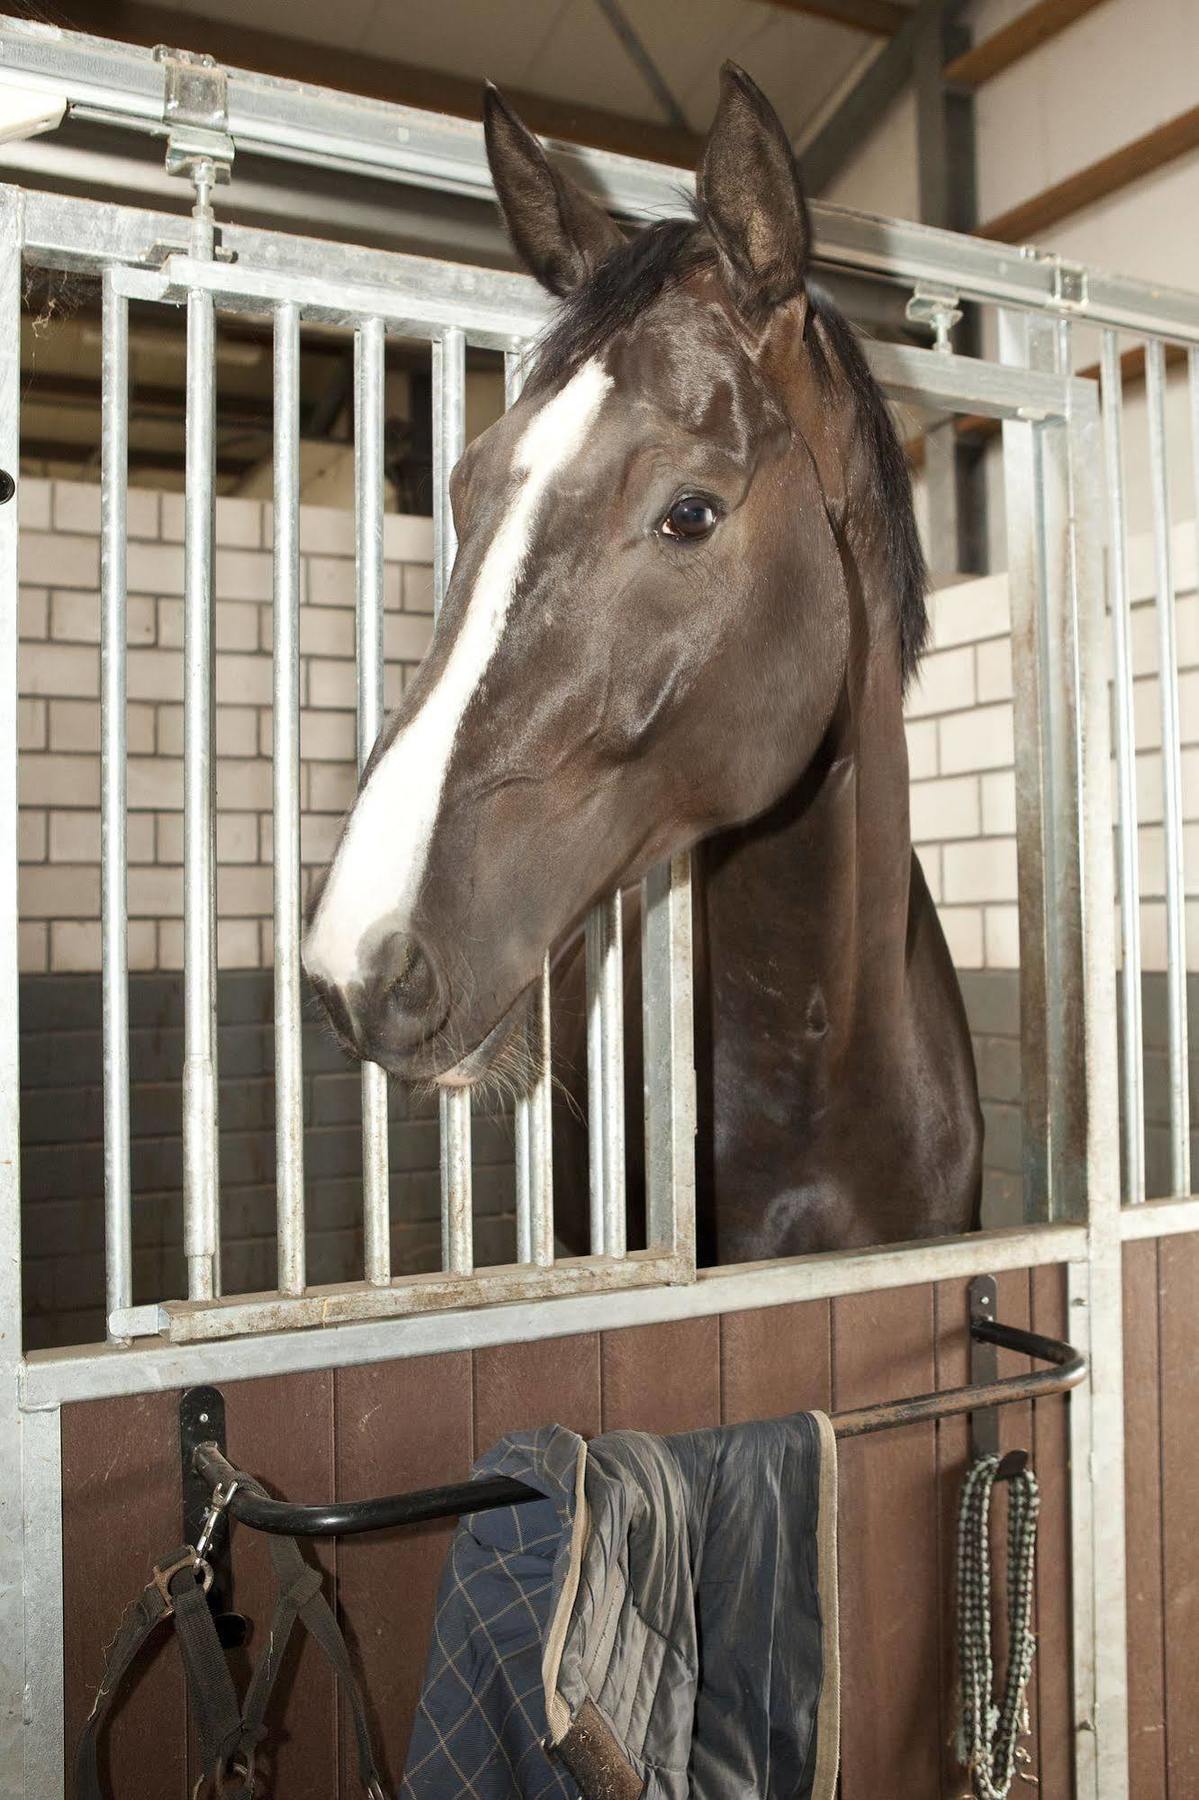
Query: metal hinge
(195, 112)
(937, 308)
(1069, 283)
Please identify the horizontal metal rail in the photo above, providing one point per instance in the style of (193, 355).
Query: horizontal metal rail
(123, 85)
(338, 1518)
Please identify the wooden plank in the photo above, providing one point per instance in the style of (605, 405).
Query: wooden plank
(661, 1377)
(399, 1425)
(379, 78)
(952, 1354)
(122, 1508)
(1026, 33)
(300, 1754)
(776, 1360)
(1052, 1670)
(1143, 1499)
(882, 1348)
(1165, 144)
(552, 1382)
(1179, 1266)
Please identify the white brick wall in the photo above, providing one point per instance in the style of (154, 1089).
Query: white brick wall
(960, 748)
(960, 742)
(59, 719)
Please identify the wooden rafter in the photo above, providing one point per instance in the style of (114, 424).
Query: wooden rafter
(330, 65)
(1022, 223)
(1026, 33)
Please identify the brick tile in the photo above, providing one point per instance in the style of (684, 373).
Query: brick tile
(328, 736)
(330, 579)
(326, 631)
(154, 675)
(999, 803)
(418, 590)
(33, 612)
(48, 780)
(49, 892)
(243, 680)
(407, 539)
(406, 636)
(980, 739)
(32, 721)
(74, 944)
(963, 928)
(239, 522)
(1002, 937)
(33, 501)
(156, 893)
(154, 783)
(48, 559)
(948, 808)
(31, 834)
(244, 574)
(984, 870)
(153, 569)
(944, 683)
(59, 669)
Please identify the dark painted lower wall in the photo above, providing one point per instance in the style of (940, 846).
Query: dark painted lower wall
(62, 1175)
(62, 1153)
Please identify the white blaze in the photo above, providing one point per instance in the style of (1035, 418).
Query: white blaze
(380, 866)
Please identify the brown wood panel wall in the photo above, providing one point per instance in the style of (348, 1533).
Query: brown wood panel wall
(411, 1423)
(1161, 1331)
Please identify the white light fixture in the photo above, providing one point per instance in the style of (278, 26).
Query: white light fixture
(25, 112)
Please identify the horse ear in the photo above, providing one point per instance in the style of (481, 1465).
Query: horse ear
(559, 232)
(751, 198)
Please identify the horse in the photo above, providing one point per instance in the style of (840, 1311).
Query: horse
(688, 596)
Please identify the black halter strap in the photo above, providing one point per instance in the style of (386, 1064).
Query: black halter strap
(228, 1733)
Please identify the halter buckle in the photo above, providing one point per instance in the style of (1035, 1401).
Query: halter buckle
(190, 1559)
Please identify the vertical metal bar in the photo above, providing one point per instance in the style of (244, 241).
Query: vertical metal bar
(289, 1072)
(16, 1628)
(534, 1144)
(368, 479)
(45, 1771)
(1176, 960)
(605, 1074)
(1132, 1043)
(669, 1061)
(449, 441)
(1090, 1085)
(114, 956)
(201, 1201)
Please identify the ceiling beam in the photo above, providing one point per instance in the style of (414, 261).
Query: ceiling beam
(859, 112)
(376, 78)
(1026, 33)
(1022, 223)
(880, 18)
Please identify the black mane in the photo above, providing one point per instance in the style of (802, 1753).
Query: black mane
(666, 253)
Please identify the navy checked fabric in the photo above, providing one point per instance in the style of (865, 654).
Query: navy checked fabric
(481, 1720)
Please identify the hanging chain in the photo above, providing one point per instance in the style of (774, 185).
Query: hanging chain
(990, 1733)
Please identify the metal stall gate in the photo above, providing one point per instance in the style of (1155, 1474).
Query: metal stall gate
(1058, 449)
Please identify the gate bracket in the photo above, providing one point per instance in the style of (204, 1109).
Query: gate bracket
(202, 1421)
(195, 112)
(984, 1367)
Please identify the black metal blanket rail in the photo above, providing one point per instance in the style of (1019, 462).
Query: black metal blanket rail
(337, 1518)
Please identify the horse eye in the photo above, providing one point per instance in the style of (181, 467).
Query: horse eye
(690, 517)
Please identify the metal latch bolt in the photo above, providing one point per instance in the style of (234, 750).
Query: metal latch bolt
(939, 309)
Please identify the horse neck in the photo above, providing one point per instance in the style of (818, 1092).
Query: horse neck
(806, 909)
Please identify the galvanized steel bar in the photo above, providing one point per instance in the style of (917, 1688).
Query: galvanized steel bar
(1176, 958)
(368, 513)
(605, 1074)
(289, 1071)
(114, 890)
(534, 1145)
(1132, 1041)
(201, 1199)
(449, 441)
(669, 1058)
(17, 1627)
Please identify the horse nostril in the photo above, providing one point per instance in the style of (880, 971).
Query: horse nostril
(413, 987)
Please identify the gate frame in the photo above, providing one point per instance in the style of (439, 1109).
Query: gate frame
(1053, 452)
